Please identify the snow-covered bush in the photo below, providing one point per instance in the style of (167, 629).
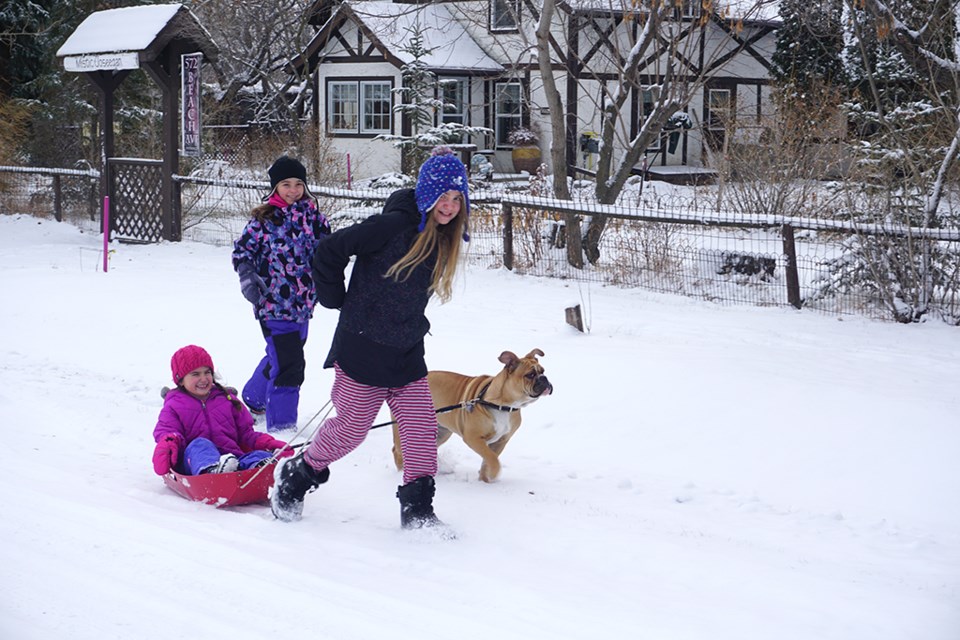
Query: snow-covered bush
(523, 137)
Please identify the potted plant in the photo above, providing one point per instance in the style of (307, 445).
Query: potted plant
(526, 150)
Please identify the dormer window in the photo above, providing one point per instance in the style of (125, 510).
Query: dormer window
(690, 8)
(504, 15)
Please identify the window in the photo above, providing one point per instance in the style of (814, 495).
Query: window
(690, 8)
(647, 102)
(719, 115)
(509, 114)
(453, 93)
(359, 107)
(342, 107)
(504, 15)
(720, 108)
(377, 104)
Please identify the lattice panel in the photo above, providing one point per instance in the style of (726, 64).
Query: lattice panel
(136, 204)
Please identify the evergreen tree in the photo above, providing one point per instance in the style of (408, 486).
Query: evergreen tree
(418, 105)
(809, 43)
(808, 70)
(62, 106)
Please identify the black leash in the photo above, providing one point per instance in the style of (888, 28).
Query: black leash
(447, 409)
(466, 404)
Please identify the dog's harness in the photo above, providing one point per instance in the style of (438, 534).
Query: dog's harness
(470, 404)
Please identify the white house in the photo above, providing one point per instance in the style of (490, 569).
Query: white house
(483, 51)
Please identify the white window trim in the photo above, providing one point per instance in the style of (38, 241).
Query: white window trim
(712, 122)
(360, 107)
(363, 104)
(330, 110)
(515, 17)
(496, 111)
(464, 100)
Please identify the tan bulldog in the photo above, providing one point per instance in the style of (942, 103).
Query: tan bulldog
(484, 410)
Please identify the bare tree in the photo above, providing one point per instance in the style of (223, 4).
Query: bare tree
(919, 135)
(558, 127)
(257, 38)
(922, 45)
(614, 51)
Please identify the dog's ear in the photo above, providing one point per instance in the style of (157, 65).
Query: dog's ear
(534, 354)
(509, 360)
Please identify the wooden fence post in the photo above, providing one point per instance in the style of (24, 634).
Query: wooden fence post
(793, 276)
(508, 236)
(57, 199)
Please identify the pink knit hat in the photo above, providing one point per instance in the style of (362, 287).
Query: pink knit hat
(187, 359)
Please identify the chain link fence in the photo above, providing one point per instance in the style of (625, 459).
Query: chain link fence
(679, 247)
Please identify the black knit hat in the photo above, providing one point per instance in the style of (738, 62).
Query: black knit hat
(286, 167)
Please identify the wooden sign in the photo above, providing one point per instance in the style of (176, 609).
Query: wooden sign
(101, 62)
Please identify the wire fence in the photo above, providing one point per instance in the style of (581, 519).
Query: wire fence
(678, 247)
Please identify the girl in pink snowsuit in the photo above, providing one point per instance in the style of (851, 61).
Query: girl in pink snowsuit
(203, 427)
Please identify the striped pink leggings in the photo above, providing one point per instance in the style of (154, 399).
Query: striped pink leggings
(357, 406)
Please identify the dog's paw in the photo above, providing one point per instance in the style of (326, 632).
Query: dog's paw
(489, 474)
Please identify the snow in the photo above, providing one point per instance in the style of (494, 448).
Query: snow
(701, 472)
(126, 29)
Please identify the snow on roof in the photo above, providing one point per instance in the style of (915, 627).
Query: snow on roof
(116, 30)
(452, 47)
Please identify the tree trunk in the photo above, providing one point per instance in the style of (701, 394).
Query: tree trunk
(558, 143)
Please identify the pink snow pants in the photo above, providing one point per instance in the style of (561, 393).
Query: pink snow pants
(357, 406)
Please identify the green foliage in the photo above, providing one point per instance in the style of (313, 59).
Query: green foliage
(63, 108)
(809, 43)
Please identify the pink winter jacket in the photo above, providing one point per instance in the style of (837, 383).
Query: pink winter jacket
(229, 427)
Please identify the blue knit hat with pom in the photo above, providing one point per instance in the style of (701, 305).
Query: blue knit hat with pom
(442, 172)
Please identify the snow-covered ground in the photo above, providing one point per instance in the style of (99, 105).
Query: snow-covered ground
(701, 472)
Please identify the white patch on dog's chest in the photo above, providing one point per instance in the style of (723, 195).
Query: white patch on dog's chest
(501, 425)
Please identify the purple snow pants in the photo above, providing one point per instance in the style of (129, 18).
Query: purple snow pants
(274, 386)
(202, 453)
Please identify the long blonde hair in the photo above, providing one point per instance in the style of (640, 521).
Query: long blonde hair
(445, 240)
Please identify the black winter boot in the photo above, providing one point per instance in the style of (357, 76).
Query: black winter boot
(293, 479)
(416, 504)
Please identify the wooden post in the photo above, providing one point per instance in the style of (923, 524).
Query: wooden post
(57, 199)
(165, 71)
(793, 277)
(176, 210)
(575, 317)
(105, 82)
(508, 236)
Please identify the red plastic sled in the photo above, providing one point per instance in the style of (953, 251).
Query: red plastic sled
(224, 489)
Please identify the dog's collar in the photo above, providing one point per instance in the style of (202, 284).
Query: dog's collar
(479, 400)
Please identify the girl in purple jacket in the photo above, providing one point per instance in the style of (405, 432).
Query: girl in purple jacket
(202, 427)
(272, 258)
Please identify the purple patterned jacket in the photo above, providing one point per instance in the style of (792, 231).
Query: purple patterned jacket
(281, 252)
(229, 427)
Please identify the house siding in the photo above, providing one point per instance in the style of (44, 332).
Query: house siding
(744, 74)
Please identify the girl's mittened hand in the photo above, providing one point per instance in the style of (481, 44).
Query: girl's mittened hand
(267, 442)
(252, 285)
(166, 454)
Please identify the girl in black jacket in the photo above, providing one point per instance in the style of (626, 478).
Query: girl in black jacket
(403, 256)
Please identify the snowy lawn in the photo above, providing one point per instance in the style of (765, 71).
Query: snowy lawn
(701, 472)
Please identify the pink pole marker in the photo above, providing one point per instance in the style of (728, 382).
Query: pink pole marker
(348, 171)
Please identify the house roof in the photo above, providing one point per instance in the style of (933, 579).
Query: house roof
(390, 25)
(146, 29)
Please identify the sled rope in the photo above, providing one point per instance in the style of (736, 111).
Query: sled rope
(272, 459)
